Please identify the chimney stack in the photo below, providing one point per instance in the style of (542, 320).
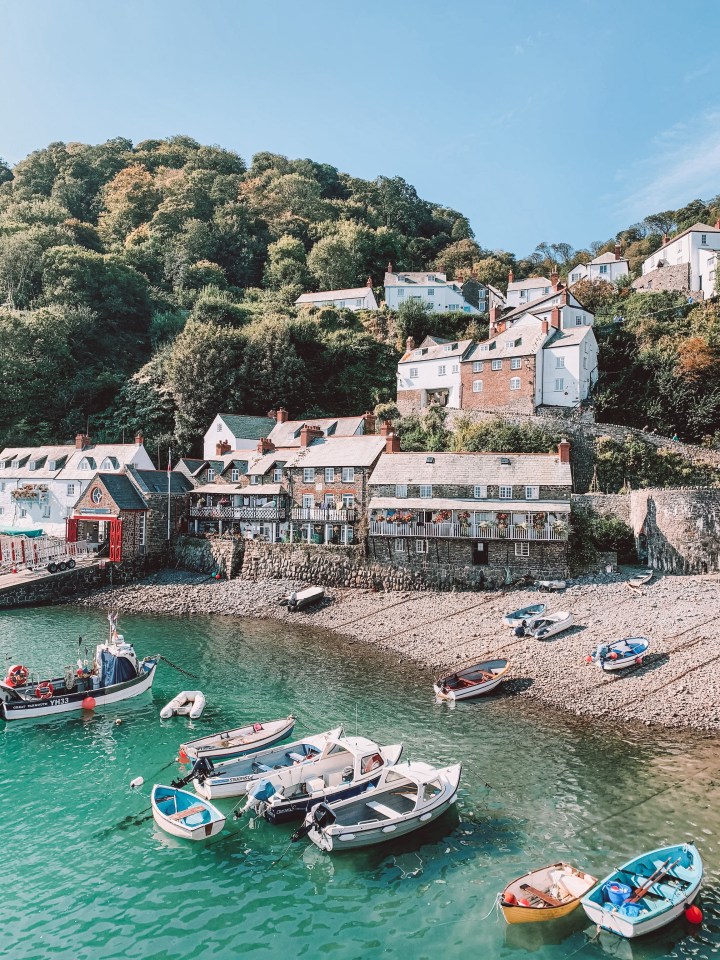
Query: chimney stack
(392, 443)
(369, 282)
(282, 415)
(410, 344)
(554, 279)
(564, 451)
(389, 266)
(386, 428)
(369, 421)
(139, 439)
(511, 276)
(264, 446)
(555, 318)
(717, 224)
(81, 441)
(545, 327)
(666, 239)
(618, 250)
(308, 434)
(222, 448)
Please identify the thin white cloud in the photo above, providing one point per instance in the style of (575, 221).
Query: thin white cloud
(699, 72)
(682, 168)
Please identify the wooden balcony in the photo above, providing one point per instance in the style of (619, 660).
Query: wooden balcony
(456, 531)
(323, 514)
(238, 513)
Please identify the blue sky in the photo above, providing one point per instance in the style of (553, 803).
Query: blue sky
(551, 121)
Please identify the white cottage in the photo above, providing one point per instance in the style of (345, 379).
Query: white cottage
(430, 288)
(357, 298)
(430, 373)
(522, 292)
(610, 266)
(229, 432)
(685, 262)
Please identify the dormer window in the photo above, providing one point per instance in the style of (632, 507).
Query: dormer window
(87, 463)
(210, 474)
(109, 463)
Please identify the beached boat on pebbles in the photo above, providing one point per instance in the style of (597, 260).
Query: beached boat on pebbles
(546, 626)
(471, 681)
(619, 655)
(545, 894)
(521, 617)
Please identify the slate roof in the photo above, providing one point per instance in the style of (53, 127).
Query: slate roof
(247, 428)
(528, 330)
(422, 353)
(262, 464)
(544, 304)
(122, 490)
(568, 338)
(340, 452)
(608, 257)
(405, 278)
(354, 294)
(156, 481)
(471, 468)
(288, 434)
(532, 283)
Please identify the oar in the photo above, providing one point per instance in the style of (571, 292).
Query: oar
(660, 872)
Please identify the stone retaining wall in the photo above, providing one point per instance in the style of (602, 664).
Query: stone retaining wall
(679, 528)
(210, 555)
(68, 585)
(606, 504)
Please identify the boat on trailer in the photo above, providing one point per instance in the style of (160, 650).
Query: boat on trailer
(473, 681)
(520, 618)
(115, 675)
(619, 655)
(348, 767)
(545, 894)
(409, 796)
(182, 814)
(240, 741)
(648, 892)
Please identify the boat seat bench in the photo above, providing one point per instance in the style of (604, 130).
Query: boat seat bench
(382, 809)
(181, 814)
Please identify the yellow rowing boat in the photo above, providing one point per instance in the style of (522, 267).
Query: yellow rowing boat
(545, 894)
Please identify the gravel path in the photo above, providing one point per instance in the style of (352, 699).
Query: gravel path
(677, 685)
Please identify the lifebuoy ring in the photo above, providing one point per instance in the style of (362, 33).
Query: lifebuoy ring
(17, 675)
(44, 690)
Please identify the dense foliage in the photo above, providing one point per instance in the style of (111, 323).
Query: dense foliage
(592, 533)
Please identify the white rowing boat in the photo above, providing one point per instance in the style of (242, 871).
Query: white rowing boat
(182, 814)
(519, 618)
(472, 681)
(238, 742)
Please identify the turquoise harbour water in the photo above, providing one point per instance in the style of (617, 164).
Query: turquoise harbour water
(88, 876)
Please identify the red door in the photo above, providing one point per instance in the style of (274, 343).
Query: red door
(115, 541)
(72, 530)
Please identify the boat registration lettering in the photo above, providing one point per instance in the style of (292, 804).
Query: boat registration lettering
(59, 700)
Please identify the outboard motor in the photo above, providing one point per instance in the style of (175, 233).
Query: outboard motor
(520, 631)
(321, 816)
(201, 770)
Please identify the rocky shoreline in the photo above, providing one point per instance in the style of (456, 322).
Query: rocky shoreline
(678, 685)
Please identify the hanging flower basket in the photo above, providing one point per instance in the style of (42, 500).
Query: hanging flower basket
(442, 516)
(521, 526)
(539, 519)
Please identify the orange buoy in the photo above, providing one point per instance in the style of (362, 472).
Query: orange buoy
(523, 902)
(88, 703)
(182, 756)
(510, 899)
(693, 914)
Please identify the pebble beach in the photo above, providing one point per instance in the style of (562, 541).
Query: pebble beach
(678, 684)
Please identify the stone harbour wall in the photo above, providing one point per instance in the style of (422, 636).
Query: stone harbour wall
(36, 590)
(606, 504)
(210, 555)
(678, 528)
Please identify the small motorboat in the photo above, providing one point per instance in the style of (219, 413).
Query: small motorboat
(233, 778)
(188, 703)
(113, 675)
(542, 628)
(300, 599)
(182, 814)
(348, 767)
(408, 796)
(545, 894)
(641, 579)
(617, 656)
(519, 618)
(647, 892)
(473, 681)
(550, 586)
(238, 742)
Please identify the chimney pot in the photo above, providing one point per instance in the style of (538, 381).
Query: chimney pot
(81, 441)
(410, 344)
(369, 422)
(386, 428)
(717, 224)
(511, 276)
(389, 266)
(618, 251)
(555, 318)
(369, 282)
(545, 327)
(392, 443)
(139, 439)
(222, 448)
(666, 239)
(308, 433)
(282, 415)
(564, 451)
(554, 279)
(264, 446)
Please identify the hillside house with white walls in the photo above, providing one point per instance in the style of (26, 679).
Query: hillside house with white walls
(430, 373)
(229, 432)
(39, 486)
(684, 263)
(610, 266)
(431, 288)
(357, 298)
(572, 312)
(522, 292)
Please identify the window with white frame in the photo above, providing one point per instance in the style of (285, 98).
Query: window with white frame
(358, 303)
(421, 546)
(559, 362)
(522, 549)
(71, 489)
(329, 501)
(413, 372)
(234, 475)
(515, 363)
(210, 474)
(480, 491)
(496, 365)
(426, 491)
(431, 292)
(585, 363)
(348, 474)
(477, 386)
(348, 501)
(308, 474)
(400, 490)
(341, 303)
(441, 370)
(532, 493)
(559, 385)
(603, 268)
(399, 545)
(255, 479)
(23, 513)
(578, 321)
(515, 383)
(505, 493)
(401, 292)
(277, 475)
(477, 366)
(329, 474)
(308, 501)
(455, 368)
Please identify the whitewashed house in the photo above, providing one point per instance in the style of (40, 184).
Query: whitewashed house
(430, 373)
(430, 288)
(358, 298)
(683, 263)
(229, 432)
(572, 312)
(522, 292)
(39, 486)
(610, 266)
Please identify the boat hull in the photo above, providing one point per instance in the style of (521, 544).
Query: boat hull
(615, 923)
(73, 702)
(190, 831)
(232, 753)
(517, 914)
(296, 809)
(469, 692)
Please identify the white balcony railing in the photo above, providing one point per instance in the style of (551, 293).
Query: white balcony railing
(238, 513)
(323, 514)
(469, 530)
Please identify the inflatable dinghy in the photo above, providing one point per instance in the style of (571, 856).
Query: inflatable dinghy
(188, 703)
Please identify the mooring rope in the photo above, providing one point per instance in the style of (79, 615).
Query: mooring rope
(187, 673)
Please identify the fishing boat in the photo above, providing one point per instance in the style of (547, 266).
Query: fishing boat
(550, 624)
(182, 814)
(550, 586)
(472, 681)
(233, 778)
(641, 579)
(519, 618)
(115, 674)
(300, 599)
(648, 892)
(348, 767)
(188, 703)
(238, 742)
(408, 796)
(619, 655)
(545, 894)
